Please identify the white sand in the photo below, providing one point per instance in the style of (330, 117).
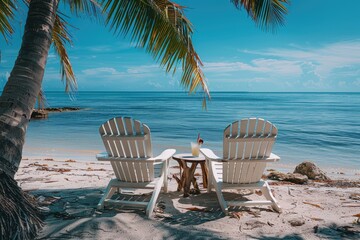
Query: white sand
(71, 191)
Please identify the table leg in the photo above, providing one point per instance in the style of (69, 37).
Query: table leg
(205, 174)
(180, 181)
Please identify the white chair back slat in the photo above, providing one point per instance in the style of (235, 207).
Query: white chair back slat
(131, 141)
(226, 142)
(105, 130)
(258, 134)
(150, 170)
(116, 169)
(147, 141)
(115, 145)
(139, 143)
(138, 170)
(251, 127)
(241, 144)
(125, 152)
(253, 140)
(272, 134)
(233, 145)
(124, 138)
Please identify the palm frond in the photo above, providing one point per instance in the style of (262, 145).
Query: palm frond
(160, 27)
(90, 7)
(60, 37)
(7, 8)
(268, 14)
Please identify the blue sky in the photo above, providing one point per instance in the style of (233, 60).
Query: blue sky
(318, 50)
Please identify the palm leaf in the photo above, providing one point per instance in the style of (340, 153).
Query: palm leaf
(60, 37)
(90, 7)
(268, 14)
(7, 8)
(161, 28)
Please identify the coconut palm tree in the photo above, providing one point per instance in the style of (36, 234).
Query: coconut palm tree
(158, 26)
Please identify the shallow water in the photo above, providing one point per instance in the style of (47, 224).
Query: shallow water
(322, 127)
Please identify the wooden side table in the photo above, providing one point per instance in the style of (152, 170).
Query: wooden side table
(187, 173)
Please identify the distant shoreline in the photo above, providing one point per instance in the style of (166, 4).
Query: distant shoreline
(43, 113)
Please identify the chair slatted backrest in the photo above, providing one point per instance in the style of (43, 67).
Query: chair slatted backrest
(247, 139)
(125, 140)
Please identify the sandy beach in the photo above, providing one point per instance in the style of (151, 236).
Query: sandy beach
(69, 191)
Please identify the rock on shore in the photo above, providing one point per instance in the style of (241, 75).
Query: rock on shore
(43, 113)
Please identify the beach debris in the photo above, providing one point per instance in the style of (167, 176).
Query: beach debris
(289, 192)
(311, 171)
(80, 211)
(254, 224)
(355, 196)
(44, 210)
(289, 177)
(316, 219)
(270, 224)
(196, 209)
(93, 169)
(163, 215)
(256, 214)
(314, 204)
(296, 222)
(37, 165)
(48, 159)
(59, 170)
(236, 215)
(160, 207)
(70, 160)
(358, 217)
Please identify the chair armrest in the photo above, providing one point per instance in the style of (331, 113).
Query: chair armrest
(273, 158)
(166, 155)
(102, 156)
(210, 155)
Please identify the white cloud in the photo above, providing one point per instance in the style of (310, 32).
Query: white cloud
(102, 70)
(261, 65)
(143, 69)
(327, 59)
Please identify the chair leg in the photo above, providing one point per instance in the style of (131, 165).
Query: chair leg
(165, 176)
(110, 190)
(220, 198)
(154, 196)
(210, 183)
(269, 196)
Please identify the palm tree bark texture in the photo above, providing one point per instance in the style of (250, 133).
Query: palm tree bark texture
(19, 95)
(16, 104)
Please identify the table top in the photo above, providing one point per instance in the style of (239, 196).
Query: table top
(188, 157)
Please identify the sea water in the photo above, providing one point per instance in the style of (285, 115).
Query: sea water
(321, 127)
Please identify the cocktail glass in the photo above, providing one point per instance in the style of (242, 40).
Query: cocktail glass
(195, 149)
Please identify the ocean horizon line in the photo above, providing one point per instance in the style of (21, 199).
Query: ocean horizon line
(194, 93)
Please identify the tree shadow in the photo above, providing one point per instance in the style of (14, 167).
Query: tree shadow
(72, 214)
(202, 208)
(331, 232)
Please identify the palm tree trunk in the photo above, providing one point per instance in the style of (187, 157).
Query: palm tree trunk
(16, 104)
(19, 95)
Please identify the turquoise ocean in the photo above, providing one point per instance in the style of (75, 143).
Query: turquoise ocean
(321, 127)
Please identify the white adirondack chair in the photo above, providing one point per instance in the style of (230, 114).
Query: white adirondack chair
(246, 150)
(128, 148)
